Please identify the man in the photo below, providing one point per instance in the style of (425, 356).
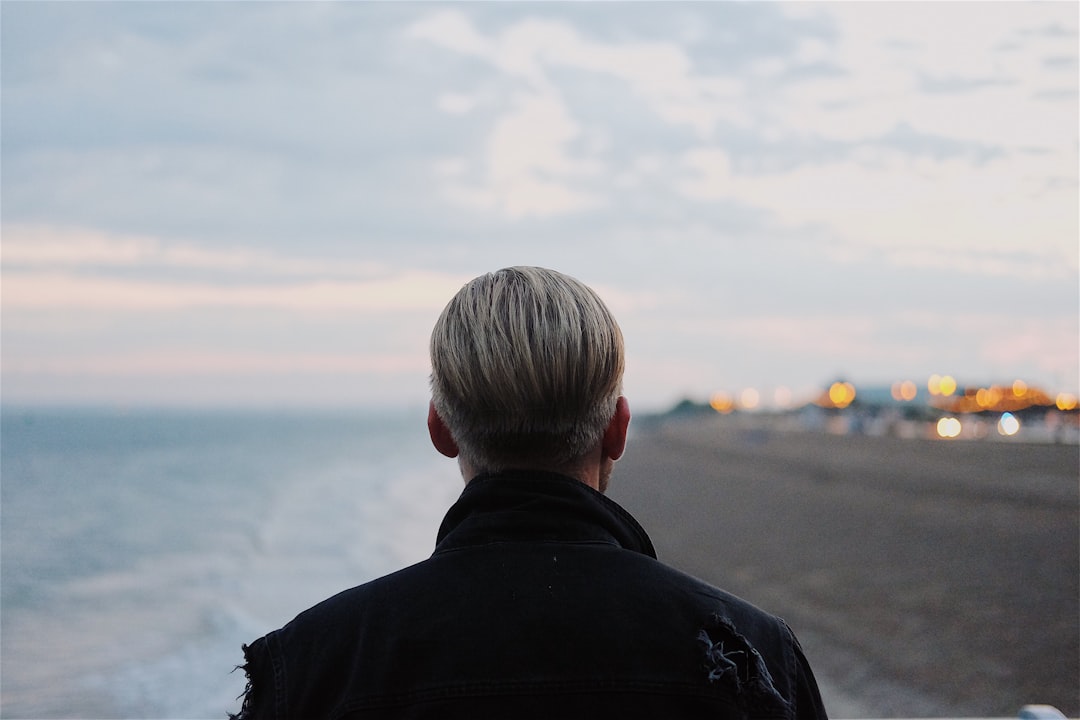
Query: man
(543, 598)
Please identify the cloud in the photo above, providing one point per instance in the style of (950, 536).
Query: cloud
(921, 211)
(452, 30)
(189, 362)
(75, 269)
(528, 170)
(533, 157)
(405, 291)
(659, 72)
(944, 71)
(456, 103)
(44, 246)
(29, 245)
(917, 128)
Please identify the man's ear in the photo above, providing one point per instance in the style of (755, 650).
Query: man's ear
(440, 434)
(614, 441)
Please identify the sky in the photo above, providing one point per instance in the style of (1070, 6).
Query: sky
(268, 204)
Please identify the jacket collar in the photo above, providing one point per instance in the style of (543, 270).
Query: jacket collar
(537, 506)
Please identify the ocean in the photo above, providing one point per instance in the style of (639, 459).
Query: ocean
(140, 549)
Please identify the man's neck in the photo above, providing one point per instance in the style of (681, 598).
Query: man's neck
(588, 473)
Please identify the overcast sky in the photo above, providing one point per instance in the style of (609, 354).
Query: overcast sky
(265, 204)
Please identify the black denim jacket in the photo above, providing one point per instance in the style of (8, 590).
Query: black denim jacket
(543, 598)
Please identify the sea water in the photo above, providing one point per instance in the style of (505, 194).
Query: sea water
(139, 550)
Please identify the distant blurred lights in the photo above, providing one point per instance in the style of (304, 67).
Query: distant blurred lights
(948, 427)
(941, 385)
(841, 394)
(1008, 424)
(722, 403)
(904, 391)
(988, 397)
(908, 390)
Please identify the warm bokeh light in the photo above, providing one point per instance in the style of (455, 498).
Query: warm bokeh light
(988, 397)
(841, 394)
(1066, 402)
(749, 398)
(908, 390)
(996, 398)
(782, 396)
(949, 427)
(722, 403)
(944, 385)
(1008, 424)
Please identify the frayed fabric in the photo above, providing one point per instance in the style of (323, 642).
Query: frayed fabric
(247, 695)
(731, 659)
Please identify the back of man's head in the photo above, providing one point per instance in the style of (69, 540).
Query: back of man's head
(527, 368)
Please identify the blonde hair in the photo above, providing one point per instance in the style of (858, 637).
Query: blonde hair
(527, 367)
